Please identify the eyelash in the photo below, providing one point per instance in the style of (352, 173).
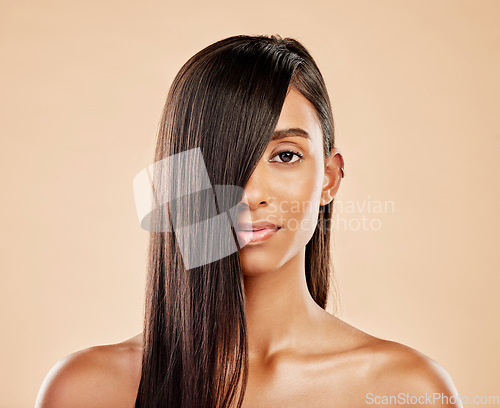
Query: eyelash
(300, 155)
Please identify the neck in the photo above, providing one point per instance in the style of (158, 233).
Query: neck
(279, 309)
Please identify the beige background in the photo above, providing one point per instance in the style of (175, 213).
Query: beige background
(415, 91)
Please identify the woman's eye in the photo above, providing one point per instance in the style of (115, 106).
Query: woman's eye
(286, 157)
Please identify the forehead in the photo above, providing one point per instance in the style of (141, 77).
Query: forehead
(298, 113)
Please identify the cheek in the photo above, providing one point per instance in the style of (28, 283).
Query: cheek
(297, 207)
(296, 195)
(299, 193)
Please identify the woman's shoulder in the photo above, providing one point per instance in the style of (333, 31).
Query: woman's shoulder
(105, 375)
(403, 376)
(398, 364)
(388, 368)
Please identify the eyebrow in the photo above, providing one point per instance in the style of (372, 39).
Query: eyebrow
(282, 133)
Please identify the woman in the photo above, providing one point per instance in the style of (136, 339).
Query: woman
(248, 328)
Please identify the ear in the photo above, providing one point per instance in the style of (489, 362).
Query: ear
(334, 171)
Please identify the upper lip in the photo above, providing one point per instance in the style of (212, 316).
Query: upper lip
(247, 226)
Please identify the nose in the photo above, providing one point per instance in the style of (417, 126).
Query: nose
(257, 192)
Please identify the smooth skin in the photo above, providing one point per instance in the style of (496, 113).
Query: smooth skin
(299, 354)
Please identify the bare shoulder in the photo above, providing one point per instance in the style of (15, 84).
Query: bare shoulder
(381, 368)
(399, 369)
(100, 376)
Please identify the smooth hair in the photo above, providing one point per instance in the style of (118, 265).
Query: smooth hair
(225, 100)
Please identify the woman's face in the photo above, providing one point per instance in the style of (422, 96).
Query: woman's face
(292, 179)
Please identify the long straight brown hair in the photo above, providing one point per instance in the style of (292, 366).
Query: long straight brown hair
(226, 101)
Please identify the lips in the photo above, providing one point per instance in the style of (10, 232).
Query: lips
(256, 226)
(258, 231)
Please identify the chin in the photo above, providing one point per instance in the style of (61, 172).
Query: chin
(256, 268)
(254, 262)
(258, 260)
